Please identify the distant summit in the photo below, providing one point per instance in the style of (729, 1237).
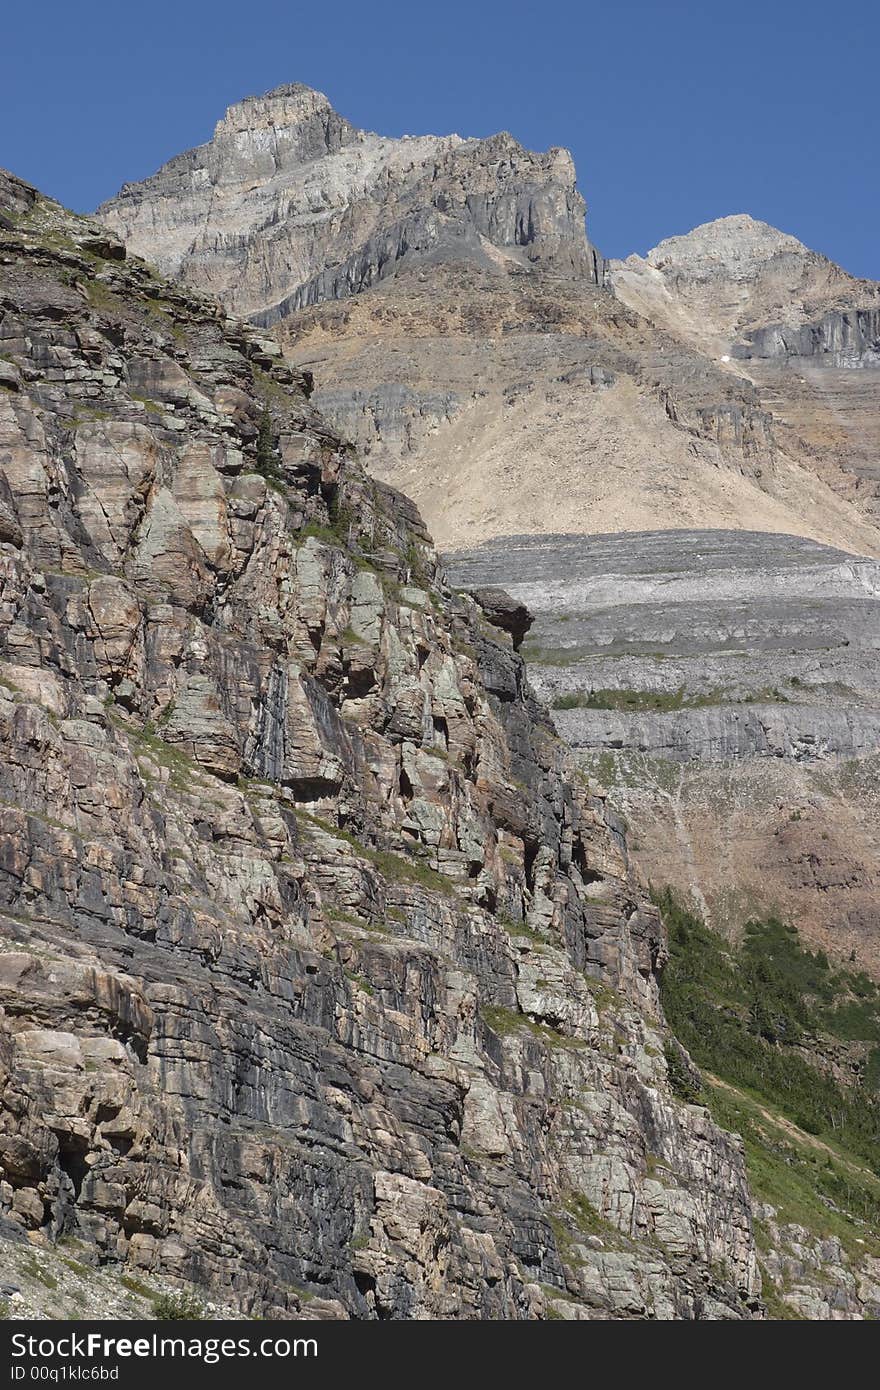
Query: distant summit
(726, 279)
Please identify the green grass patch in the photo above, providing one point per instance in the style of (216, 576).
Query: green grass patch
(631, 700)
(136, 1286)
(604, 996)
(777, 1308)
(402, 869)
(507, 1023)
(150, 406)
(681, 1081)
(398, 868)
(42, 1276)
(659, 701)
(360, 982)
(104, 301)
(828, 1192)
(587, 1219)
(521, 930)
(761, 1016)
(148, 743)
(320, 531)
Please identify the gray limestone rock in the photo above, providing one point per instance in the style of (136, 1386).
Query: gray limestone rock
(504, 612)
(845, 338)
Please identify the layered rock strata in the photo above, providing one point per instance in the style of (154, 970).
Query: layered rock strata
(324, 985)
(726, 688)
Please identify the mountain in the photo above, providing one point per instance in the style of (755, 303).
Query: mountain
(719, 389)
(804, 332)
(461, 332)
(330, 976)
(724, 284)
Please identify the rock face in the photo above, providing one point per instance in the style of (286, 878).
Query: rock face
(845, 338)
(323, 986)
(290, 204)
(725, 686)
(504, 612)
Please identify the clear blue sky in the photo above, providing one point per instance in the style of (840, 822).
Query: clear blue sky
(675, 112)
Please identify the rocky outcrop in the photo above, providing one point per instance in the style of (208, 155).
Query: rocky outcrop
(817, 1278)
(289, 205)
(845, 338)
(504, 612)
(800, 733)
(323, 986)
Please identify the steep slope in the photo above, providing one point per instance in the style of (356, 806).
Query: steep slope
(323, 987)
(805, 333)
(510, 403)
(789, 1043)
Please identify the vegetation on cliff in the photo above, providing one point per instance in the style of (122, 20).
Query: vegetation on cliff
(789, 1046)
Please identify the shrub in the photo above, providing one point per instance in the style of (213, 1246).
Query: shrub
(267, 448)
(682, 1080)
(178, 1307)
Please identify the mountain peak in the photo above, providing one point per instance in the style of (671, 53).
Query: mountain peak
(285, 91)
(719, 282)
(737, 244)
(289, 104)
(289, 203)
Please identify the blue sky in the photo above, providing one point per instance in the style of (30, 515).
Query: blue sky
(676, 113)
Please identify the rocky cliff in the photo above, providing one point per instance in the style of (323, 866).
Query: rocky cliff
(289, 204)
(324, 984)
(842, 338)
(330, 989)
